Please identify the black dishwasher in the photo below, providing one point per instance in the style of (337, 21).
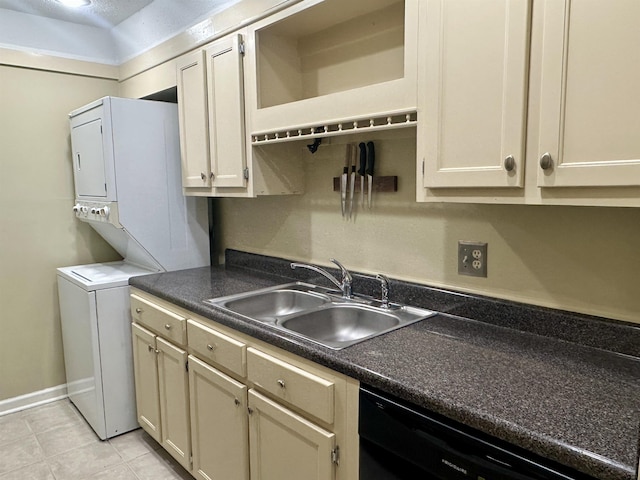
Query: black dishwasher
(403, 442)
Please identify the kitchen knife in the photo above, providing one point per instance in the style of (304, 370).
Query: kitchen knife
(343, 180)
(354, 155)
(371, 160)
(362, 169)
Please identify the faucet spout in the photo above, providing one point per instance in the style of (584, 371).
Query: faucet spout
(344, 285)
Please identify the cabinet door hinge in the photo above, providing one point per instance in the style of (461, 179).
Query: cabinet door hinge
(186, 365)
(246, 173)
(423, 167)
(241, 48)
(335, 455)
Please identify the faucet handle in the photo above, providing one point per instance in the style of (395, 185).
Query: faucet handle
(384, 297)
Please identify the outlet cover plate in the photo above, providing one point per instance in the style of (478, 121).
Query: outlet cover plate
(472, 258)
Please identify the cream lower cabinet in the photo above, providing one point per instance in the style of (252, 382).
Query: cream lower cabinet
(162, 396)
(219, 424)
(286, 446)
(245, 410)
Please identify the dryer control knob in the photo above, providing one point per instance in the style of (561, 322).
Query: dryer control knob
(104, 212)
(84, 209)
(76, 208)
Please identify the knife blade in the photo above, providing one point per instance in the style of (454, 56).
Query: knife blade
(354, 154)
(343, 180)
(371, 159)
(362, 169)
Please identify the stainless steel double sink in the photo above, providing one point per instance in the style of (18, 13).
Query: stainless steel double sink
(320, 314)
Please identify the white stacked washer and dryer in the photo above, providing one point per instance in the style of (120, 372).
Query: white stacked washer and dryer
(126, 162)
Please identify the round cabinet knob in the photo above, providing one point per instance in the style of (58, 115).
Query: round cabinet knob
(237, 402)
(546, 162)
(210, 347)
(167, 326)
(281, 383)
(138, 310)
(203, 176)
(510, 163)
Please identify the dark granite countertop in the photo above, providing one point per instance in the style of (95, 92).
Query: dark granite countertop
(561, 385)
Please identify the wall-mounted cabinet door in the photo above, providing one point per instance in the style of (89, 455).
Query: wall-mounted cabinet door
(174, 401)
(219, 424)
(225, 92)
(590, 94)
(473, 68)
(145, 368)
(285, 446)
(192, 116)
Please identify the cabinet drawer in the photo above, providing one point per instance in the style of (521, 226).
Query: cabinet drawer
(217, 348)
(162, 321)
(291, 384)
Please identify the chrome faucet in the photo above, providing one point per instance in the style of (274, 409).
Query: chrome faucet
(344, 285)
(384, 298)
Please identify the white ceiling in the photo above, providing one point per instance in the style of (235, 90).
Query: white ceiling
(100, 13)
(107, 31)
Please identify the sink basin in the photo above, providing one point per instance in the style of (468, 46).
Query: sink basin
(319, 314)
(340, 325)
(270, 304)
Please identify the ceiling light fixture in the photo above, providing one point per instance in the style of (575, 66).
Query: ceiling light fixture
(74, 3)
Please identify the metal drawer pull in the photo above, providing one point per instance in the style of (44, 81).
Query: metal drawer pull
(138, 310)
(510, 163)
(281, 383)
(546, 162)
(167, 326)
(210, 347)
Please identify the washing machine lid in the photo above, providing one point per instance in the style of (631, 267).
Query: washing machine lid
(97, 276)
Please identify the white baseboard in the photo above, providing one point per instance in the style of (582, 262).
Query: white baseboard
(42, 397)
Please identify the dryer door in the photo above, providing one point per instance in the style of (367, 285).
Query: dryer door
(88, 160)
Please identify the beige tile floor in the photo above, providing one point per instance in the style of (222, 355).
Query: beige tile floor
(54, 442)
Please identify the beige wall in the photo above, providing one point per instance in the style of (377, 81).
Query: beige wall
(37, 229)
(583, 259)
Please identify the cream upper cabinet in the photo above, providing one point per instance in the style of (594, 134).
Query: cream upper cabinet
(472, 92)
(211, 114)
(582, 114)
(590, 94)
(217, 160)
(285, 446)
(326, 61)
(193, 120)
(225, 91)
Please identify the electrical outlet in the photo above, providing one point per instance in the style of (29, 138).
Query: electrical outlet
(472, 258)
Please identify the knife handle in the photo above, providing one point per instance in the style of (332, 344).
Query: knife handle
(347, 159)
(371, 158)
(363, 159)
